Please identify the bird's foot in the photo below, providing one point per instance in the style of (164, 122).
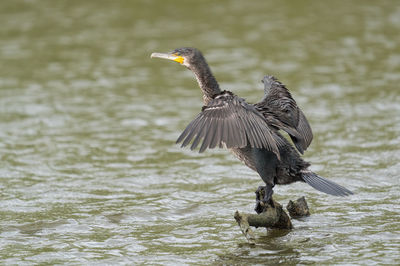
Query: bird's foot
(259, 206)
(268, 195)
(259, 189)
(269, 202)
(264, 198)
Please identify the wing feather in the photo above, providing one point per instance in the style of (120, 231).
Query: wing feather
(217, 135)
(281, 111)
(191, 129)
(209, 135)
(200, 133)
(228, 120)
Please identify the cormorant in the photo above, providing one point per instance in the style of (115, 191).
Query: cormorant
(251, 131)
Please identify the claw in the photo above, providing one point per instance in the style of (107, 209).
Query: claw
(259, 189)
(271, 203)
(259, 207)
(264, 192)
(268, 193)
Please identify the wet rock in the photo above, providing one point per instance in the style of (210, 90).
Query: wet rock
(298, 208)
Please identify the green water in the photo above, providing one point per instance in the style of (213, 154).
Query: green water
(90, 174)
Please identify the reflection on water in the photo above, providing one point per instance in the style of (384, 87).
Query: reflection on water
(89, 169)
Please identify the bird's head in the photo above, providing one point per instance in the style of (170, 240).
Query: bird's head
(186, 56)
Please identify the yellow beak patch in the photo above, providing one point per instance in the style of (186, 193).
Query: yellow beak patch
(179, 59)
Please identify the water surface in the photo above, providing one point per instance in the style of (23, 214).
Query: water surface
(89, 170)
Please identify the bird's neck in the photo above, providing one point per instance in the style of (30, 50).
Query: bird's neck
(207, 83)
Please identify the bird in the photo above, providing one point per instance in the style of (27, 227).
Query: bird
(252, 132)
(281, 111)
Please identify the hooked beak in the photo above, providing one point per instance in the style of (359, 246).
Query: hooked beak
(173, 57)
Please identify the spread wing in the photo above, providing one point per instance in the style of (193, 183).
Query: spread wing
(281, 111)
(229, 121)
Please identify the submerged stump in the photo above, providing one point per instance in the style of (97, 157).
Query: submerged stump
(273, 217)
(298, 208)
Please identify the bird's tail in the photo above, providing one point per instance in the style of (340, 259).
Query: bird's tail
(324, 185)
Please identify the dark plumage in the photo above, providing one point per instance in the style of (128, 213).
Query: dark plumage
(228, 120)
(281, 111)
(251, 132)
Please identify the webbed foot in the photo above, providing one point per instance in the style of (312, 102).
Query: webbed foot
(263, 198)
(259, 207)
(268, 195)
(259, 189)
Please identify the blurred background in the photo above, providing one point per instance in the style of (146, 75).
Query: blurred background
(89, 169)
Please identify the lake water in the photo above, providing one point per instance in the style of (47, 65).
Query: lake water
(89, 169)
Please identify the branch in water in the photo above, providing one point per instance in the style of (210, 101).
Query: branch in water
(271, 217)
(298, 208)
